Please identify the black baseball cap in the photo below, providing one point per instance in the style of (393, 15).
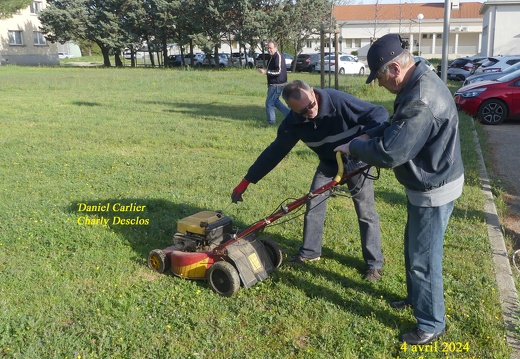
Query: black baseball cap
(383, 50)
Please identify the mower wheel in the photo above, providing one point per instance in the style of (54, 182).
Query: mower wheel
(273, 251)
(223, 278)
(158, 261)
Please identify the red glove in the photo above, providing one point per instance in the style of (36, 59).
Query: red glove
(236, 196)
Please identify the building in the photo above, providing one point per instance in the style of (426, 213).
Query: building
(22, 42)
(421, 24)
(501, 32)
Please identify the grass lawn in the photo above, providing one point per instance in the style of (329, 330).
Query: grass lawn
(177, 142)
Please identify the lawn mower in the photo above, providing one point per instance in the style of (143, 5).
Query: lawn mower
(206, 246)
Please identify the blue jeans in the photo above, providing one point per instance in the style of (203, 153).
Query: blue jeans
(272, 101)
(368, 219)
(423, 247)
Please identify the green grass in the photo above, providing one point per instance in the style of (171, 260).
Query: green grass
(178, 142)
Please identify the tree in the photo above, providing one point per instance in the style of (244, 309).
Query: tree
(9, 7)
(94, 20)
(304, 18)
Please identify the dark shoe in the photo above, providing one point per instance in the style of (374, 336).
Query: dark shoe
(299, 259)
(401, 304)
(373, 274)
(420, 337)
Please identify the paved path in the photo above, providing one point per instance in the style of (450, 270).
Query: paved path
(504, 143)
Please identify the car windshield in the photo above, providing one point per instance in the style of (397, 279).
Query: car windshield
(509, 77)
(459, 62)
(490, 62)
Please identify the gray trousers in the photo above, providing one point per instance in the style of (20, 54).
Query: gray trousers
(368, 219)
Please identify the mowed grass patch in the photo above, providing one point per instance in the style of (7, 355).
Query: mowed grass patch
(177, 142)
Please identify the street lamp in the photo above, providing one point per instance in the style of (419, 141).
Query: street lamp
(420, 17)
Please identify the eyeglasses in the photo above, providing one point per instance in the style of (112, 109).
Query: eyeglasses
(307, 108)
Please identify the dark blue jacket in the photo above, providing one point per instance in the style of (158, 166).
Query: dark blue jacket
(340, 117)
(276, 70)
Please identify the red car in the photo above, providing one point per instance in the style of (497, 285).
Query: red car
(491, 101)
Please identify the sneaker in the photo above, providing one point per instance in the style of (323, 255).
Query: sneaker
(373, 274)
(401, 304)
(299, 259)
(420, 337)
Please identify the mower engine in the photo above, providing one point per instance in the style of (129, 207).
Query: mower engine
(202, 231)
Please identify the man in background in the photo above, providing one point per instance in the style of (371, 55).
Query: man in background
(276, 72)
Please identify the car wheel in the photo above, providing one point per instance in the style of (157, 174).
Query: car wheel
(342, 71)
(362, 71)
(492, 112)
(223, 278)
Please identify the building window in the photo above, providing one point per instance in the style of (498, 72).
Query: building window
(15, 38)
(36, 7)
(39, 39)
(309, 43)
(348, 43)
(357, 42)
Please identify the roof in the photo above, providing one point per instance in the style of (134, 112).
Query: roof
(467, 10)
(490, 3)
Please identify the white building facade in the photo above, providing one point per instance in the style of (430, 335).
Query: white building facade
(421, 25)
(22, 42)
(501, 28)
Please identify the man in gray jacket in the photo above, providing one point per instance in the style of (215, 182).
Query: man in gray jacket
(421, 143)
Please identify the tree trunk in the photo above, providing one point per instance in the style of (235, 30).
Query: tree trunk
(106, 56)
(117, 59)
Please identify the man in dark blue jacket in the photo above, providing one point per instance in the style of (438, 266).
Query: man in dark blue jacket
(422, 145)
(323, 119)
(276, 79)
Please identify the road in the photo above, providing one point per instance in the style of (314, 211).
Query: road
(504, 146)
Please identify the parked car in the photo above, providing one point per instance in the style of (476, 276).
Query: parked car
(174, 60)
(306, 62)
(488, 76)
(426, 62)
(209, 60)
(497, 63)
(137, 54)
(460, 68)
(347, 65)
(476, 65)
(491, 102)
(260, 60)
(64, 55)
(288, 60)
(239, 59)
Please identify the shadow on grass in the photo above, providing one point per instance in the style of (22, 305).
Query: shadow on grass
(239, 112)
(291, 277)
(86, 103)
(145, 223)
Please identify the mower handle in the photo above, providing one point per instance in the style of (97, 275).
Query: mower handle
(339, 159)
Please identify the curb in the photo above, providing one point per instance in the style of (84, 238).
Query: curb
(504, 277)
